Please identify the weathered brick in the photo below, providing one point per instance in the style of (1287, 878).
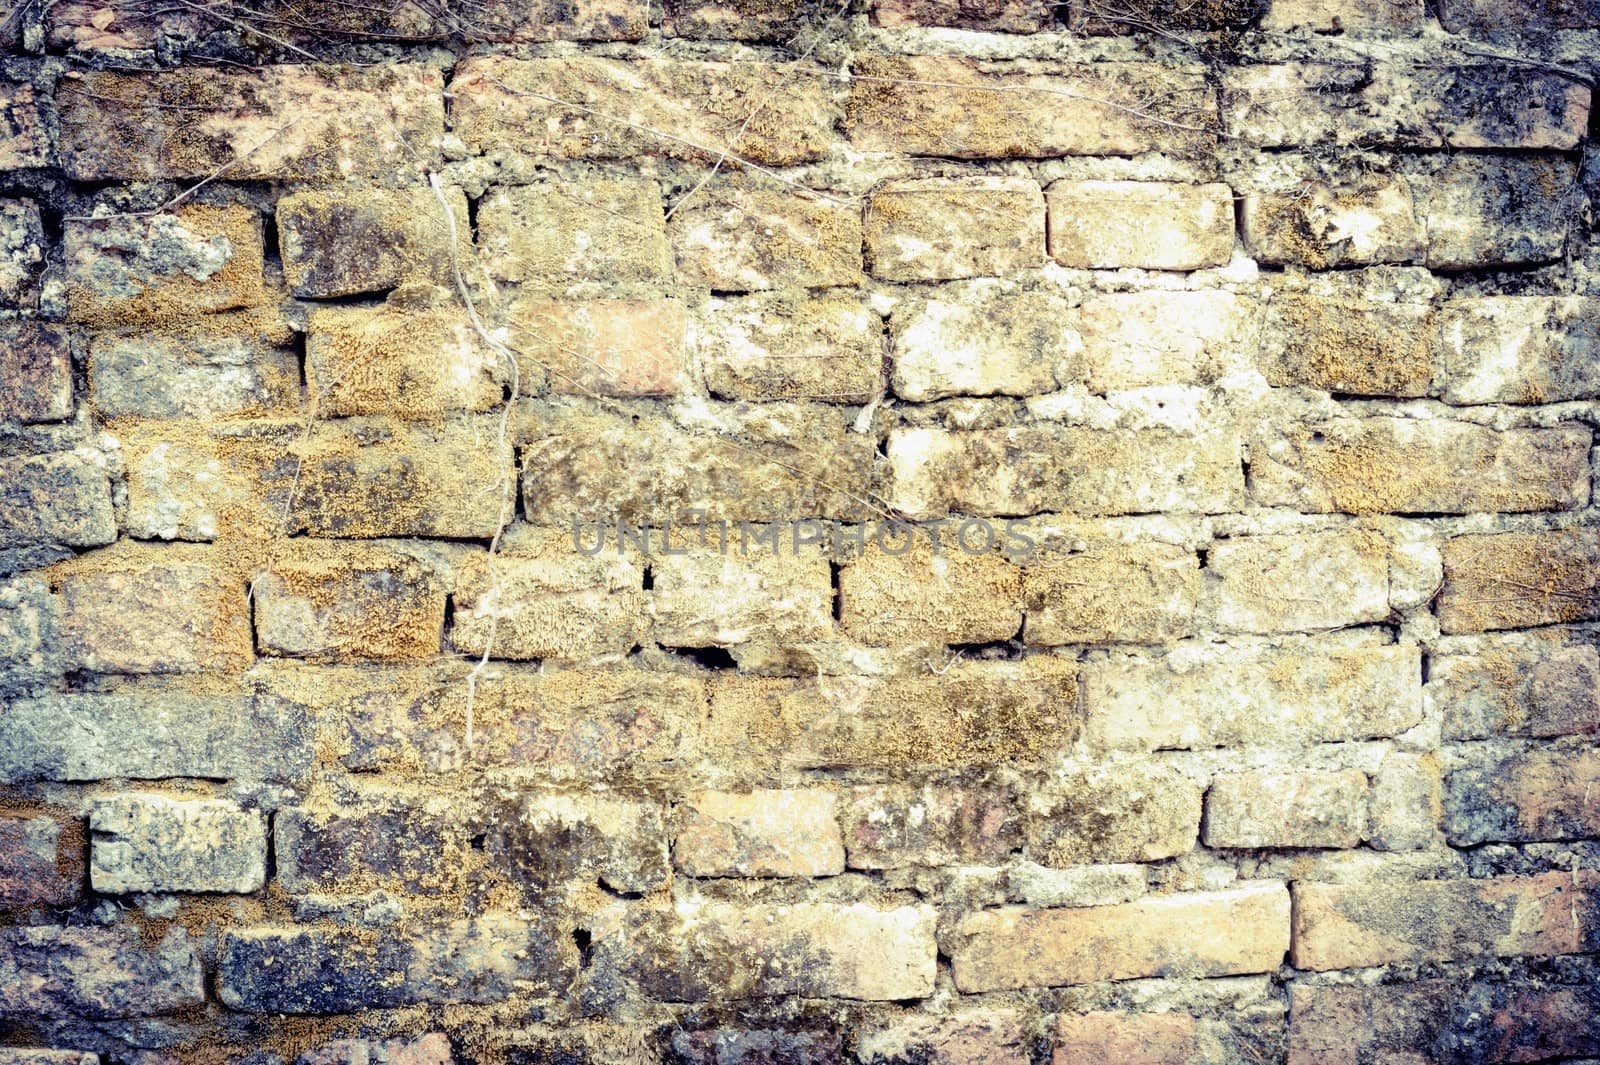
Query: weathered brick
(971, 714)
(999, 16)
(590, 108)
(348, 601)
(276, 123)
(1520, 349)
(933, 105)
(24, 138)
(1180, 227)
(35, 373)
(57, 498)
(87, 26)
(783, 346)
(894, 826)
(1287, 808)
(149, 842)
(154, 735)
(1412, 466)
(1221, 933)
(1311, 692)
(943, 595)
(549, 20)
(1139, 812)
(343, 241)
(1388, 104)
(602, 347)
(195, 259)
(547, 842)
(1140, 339)
(1405, 803)
(430, 1049)
(936, 229)
(1515, 580)
(41, 859)
(27, 1056)
(806, 950)
(366, 478)
(1346, 16)
(1520, 685)
(1481, 17)
(314, 970)
(22, 253)
(408, 362)
(1128, 1038)
(1522, 797)
(97, 972)
(541, 598)
(1300, 583)
(983, 338)
(968, 1037)
(789, 463)
(1038, 468)
(402, 841)
(212, 368)
(791, 832)
(156, 610)
(1347, 337)
(768, 1046)
(1492, 210)
(701, 599)
(558, 234)
(30, 633)
(1348, 926)
(1318, 225)
(752, 239)
(198, 482)
(1111, 593)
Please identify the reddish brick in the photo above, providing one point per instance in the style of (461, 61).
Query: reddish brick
(893, 826)
(1536, 795)
(24, 141)
(41, 859)
(1126, 1038)
(602, 347)
(753, 239)
(761, 833)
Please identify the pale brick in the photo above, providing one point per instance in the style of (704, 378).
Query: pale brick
(895, 826)
(547, 842)
(1401, 105)
(154, 735)
(30, 633)
(1523, 797)
(762, 833)
(1313, 692)
(1521, 685)
(230, 365)
(345, 241)
(208, 482)
(778, 21)
(279, 122)
(1000, 16)
(401, 841)
(35, 373)
(1139, 812)
(1346, 16)
(24, 137)
(1126, 1038)
(1111, 593)
(1349, 926)
(804, 950)
(968, 1037)
(430, 1049)
(1318, 225)
(602, 347)
(558, 234)
(783, 346)
(943, 595)
(366, 478)
(1300, 583)
(1287, 808)
(409, 362)
(148, 842)
(41, 859)
(59, 498)
(1485, 17)
(1140, 339)
(1223, 933)
(97, 973)
(1516, 580)
(544, 599)
(348, 602)
(1405, 803)
(693, 107)
(938, 106)
(1343, 337)
(125, 269)
(23, 248)
(1413, 466)
(983, 338)
(779, 598)
(752, 239)
(1487, 210)
(1520, 349)
(1178, 227)
(1038, 468)
(935, 229)
(157, 610)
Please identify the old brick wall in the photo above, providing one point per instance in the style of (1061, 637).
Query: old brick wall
(1099, 559)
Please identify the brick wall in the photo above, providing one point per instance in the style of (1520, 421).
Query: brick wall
(760, 532)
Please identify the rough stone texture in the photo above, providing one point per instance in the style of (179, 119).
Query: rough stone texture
(1003, 16)
(775, 598)
(1182, 227)
(409, 843)
(762, 833)
(971, 1037)
(61, 498)
(1481, 17)
(348, 603)
(1486, 210)
(23, 140)
(413, 364)
(97, 972)
(1518, 686)
(1347, 16)
(218, 367)
(754, 239)
(983, 338)
(30, 633)
(602, 347)
(827, 348)
(1128, 813)
(1319, 225)
(1306, 808)
(944, 594)
(1145, 339)
(157, 843)
(1405, 803)
(35, 373)
(22, 252)
(1338, 579)
(935, 230)
(1111, 593)
(1135, 1038)
(345, 242)
(560, 234)
(41, 859)
(1353, 334)
(547, 842)
(1520, 349)
(1222, 933)
(1516, 580)
(894, 826)
(1521, 797)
